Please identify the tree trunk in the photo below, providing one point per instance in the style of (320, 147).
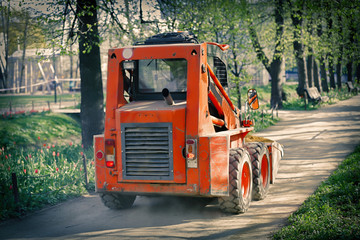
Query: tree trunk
(310, 68)
(316, 77)
(331, 71)
(5, 19)
(339, 62)
(238, 95)
(236, 72)
(358, 73)
(349, 69)
(297, 21)
(351, 48)
(22, 67)
(324, 83)
(338, 73)
(92, 99)
(276, 97)
(300, 62)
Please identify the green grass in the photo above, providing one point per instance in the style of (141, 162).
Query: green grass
(263, 119)
(333, 211)
(25, 130)
(45, 153)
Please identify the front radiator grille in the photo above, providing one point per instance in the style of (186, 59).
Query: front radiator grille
(147, 152)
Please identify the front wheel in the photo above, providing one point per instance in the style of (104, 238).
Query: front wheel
(260, 160)
(117, 201)
(240, 184)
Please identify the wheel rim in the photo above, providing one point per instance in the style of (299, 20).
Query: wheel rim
(264, 171)
(245, 180)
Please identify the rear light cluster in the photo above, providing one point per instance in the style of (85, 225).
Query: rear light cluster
(191, 149)
(110, 153)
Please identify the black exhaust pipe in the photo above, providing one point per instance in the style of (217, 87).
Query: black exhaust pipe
(167, 96)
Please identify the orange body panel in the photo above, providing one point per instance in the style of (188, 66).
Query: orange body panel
(208, 174)
(154, 112)
(275, 153)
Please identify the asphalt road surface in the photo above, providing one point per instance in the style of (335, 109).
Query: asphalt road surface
(315, 143)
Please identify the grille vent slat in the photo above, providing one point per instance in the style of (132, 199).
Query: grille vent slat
(147, 151)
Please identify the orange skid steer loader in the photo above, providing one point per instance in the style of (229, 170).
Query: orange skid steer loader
(171, 128)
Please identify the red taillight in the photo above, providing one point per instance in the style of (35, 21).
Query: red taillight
(110, 153)
(191, 149)
(110, 164)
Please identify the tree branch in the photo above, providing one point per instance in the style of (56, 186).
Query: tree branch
(141, 15)
(257, 47)
(279, 20)
(110, 10)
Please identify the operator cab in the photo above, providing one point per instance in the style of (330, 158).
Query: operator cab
(145, 79)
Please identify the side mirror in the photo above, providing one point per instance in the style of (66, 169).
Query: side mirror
(253, 100)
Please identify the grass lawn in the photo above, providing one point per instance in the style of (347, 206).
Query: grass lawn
(333, 211)
(26, 129)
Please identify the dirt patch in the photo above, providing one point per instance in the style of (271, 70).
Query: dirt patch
(251, 138)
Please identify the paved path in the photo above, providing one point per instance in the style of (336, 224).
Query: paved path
(315, 143)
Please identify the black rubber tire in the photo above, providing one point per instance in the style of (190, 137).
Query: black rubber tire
(261, 182)
(238, 200)
(117, 201)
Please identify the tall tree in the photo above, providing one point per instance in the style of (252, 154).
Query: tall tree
(323, 75)
(350, 56)
(273, 67)
(92, 100)
(25, 40)
(5, 19)
(330, 55)
(297, 17)
(339, 59)
(310, 68)
(316, 76)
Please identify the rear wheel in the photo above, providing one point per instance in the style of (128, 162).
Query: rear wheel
(240, 184)
(260, 160)
(117, 201)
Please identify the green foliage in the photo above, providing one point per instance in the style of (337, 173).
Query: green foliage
(47, 172)
(35, 37)
(333, 211)
(263, 119)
